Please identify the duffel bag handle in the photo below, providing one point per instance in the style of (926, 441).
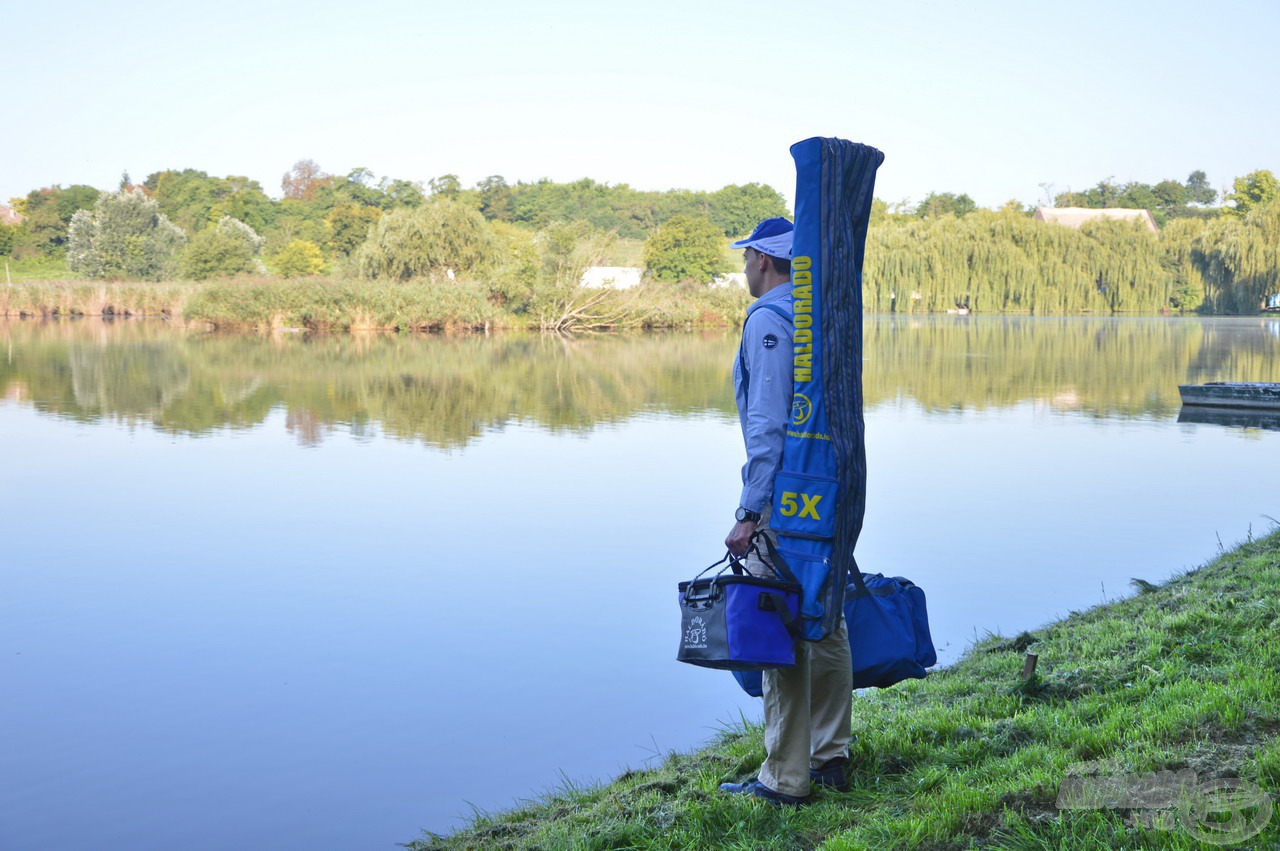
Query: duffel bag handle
(860, 585)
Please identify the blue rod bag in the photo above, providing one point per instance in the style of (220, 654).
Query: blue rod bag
(819, 494)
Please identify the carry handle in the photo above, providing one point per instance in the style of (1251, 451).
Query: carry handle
(727, 556)
(730, 561)
(776, 560)
(711, 589)
(861, 589)
(735, 563)
(855, 573)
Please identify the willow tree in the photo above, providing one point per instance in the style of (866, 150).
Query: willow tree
(1180, 240)
(1239, 259)
(437, 239)
(1005, 262)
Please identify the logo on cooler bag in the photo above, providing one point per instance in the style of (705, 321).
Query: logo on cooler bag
(695, 637)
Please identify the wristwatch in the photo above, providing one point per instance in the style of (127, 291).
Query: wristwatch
(743, 515)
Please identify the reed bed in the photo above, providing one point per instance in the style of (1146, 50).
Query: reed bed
(319, 304)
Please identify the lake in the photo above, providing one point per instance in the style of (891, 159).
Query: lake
(325, 592)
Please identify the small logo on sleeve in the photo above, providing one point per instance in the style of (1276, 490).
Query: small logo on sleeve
(770, 341)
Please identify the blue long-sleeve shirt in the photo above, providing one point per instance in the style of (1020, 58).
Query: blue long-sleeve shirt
(764, 393)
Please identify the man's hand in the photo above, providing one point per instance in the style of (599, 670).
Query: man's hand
(740, 537)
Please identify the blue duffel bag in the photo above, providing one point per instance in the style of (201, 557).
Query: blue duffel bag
(889, 636)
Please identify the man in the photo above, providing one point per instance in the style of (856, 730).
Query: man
(807, 708)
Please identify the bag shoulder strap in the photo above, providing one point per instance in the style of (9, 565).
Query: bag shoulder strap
(742, 356)
(776, 308)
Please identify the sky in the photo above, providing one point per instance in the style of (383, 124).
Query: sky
(987, 98)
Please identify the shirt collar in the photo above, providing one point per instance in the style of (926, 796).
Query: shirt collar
(781, 291)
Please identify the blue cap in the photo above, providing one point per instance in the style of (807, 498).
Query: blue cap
(772, 237)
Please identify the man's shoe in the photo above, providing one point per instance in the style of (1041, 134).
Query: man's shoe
(759, 790)
(831, 774)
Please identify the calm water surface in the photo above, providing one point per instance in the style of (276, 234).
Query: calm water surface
(325, 593)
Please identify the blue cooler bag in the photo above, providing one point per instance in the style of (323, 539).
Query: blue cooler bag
(889, 636)
(739, 622)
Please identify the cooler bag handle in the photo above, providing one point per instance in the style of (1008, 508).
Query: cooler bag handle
(729, 560)
(689, 595)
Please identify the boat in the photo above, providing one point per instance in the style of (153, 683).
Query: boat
(1254, 395)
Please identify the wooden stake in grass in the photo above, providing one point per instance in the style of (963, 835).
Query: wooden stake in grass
(1029, 666)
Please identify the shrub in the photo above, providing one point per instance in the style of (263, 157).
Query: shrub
(686, 248)
(228, 248)
(299, 257)
(558, 300)
(514, 278)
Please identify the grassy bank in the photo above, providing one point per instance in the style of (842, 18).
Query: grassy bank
(264, 304)
(34, 269)
(1181, 676)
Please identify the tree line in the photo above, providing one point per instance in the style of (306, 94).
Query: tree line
(1166, 200)
(1006, 262)
(529, 242)
(334, 213)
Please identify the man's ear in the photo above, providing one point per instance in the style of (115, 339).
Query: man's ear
(761, 260)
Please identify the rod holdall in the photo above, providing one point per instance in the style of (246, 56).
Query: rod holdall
(736, 621)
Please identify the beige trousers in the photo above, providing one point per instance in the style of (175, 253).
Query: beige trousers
(808, 708)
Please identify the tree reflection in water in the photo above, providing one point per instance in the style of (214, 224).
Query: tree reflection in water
(446, 390)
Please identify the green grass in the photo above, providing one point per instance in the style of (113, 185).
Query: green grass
(1183, 676)
(630, 252)
(625, 252)
(35, 269)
